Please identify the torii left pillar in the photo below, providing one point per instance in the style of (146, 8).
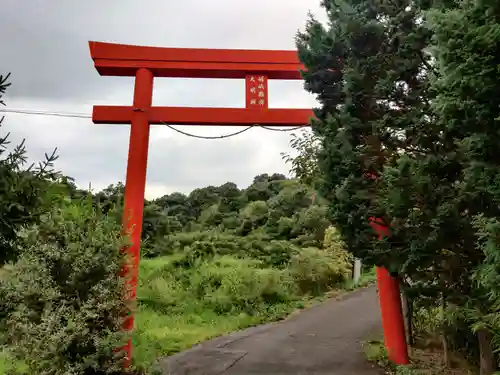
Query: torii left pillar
(136, 183)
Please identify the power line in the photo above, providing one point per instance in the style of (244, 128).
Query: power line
(44, 113)
(86, 116)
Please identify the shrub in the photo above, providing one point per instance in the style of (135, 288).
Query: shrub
(312, 221)
(275, 253)
(317, 270)
(65, 300)
(227, 284)
(178, 242)
(198, 246)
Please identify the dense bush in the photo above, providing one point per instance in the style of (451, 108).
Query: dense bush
(225, 280)
(227, 285)
(223, 284)
(318, 270)
(63, 297)
(65, 286)
(195, 246)
(407, 130)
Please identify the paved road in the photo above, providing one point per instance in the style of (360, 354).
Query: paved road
(321, 340)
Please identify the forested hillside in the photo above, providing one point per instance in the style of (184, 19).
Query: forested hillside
(274, 215)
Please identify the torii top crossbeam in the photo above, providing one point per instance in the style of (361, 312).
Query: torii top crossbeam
(123, 60)
(255, 66)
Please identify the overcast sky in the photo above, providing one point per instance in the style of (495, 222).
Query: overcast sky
(44, 43)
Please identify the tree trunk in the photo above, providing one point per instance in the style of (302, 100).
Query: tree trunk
(444, 339)
(408, 315)
(486, 356)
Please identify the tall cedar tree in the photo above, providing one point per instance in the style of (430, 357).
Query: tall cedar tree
(467, 50)
(436, 195)
(369, 70)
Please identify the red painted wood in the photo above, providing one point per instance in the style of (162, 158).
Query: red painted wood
(116, 51)
(136, 183)
(392, 317)
(122, 60)
(390, 306)
(197, 70)
(205, 116)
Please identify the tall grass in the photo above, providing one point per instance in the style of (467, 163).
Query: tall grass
(180, 307)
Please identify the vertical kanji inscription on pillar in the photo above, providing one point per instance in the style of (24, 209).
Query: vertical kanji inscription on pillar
(256, 91)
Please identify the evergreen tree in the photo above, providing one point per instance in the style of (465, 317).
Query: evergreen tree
(369, 71)
(467, 50)
(24, 189)
(435, 193)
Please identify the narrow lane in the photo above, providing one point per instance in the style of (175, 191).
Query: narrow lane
(324, 339)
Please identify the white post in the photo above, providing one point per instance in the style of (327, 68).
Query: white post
(357, 270)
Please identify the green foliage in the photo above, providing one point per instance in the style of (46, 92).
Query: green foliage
(309, 226)
(179, 308)
(367, 70)
(375, 351)
(209, 282)
(469, 105)
(23, 188)
(408, 132)
(227, 285)
(234, 222)
(253, 215)
(304, 165)
(468, 108)
(194, 246)
(63, 297)
(222, 258)
(182, 304)
(318, 270)
(273, 207)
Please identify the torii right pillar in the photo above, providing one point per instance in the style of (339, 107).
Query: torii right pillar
(390, 307)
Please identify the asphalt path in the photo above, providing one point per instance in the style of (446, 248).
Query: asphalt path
(323, 339)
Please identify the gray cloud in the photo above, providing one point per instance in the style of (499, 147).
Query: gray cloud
(44, 45)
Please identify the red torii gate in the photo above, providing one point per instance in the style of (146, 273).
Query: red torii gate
(256, 67)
